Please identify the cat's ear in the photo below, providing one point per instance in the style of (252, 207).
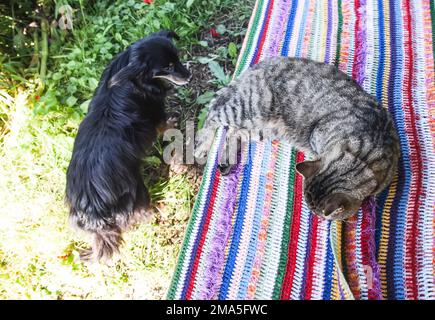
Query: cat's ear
(308, 168)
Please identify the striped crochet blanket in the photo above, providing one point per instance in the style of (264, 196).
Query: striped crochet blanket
(251, 235)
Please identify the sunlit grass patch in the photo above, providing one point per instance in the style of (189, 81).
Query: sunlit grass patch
(38, 249)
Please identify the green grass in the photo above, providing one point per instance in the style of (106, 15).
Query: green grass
(38, 249)
(38, 257)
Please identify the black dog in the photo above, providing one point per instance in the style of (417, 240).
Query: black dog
(105, 189)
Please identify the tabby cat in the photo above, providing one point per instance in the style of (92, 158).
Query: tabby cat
(349, 138)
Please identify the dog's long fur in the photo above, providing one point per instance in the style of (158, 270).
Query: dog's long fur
(105, 189)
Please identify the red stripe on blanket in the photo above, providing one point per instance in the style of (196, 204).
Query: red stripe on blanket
(415, 160)
(311, 258)
(264, 32)
(367, 237)
(355, 66)
(294, 234)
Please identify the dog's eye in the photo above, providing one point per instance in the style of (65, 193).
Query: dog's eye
(170, 67)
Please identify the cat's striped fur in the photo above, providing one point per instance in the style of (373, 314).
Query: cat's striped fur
(323, 112)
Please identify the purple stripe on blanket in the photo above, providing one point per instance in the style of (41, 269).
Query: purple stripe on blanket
(216, 256)
(328, 33)
(375, 284)
(277, 32)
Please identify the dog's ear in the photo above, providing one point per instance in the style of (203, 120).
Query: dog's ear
(167, 34)
(127, 73)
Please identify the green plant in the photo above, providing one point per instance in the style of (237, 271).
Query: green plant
(221, 79)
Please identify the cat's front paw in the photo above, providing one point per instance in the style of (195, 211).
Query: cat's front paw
(226, 169)
(201, 150)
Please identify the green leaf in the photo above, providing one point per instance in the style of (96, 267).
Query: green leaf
(217, 71)
(153, 161)
(56, 76)
(221, 29)
(204, 60)
(71, 101)
(168, 7)
(201, 117)
(189, 3)
(85, 106)
(71, 89)
(203, 43)
(232, 49)
(222, 52)
(205, 98)
(118, 37)
(93, 83)
(156, 24)
(71, 65)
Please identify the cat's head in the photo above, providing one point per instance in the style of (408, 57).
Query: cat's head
(336, 185)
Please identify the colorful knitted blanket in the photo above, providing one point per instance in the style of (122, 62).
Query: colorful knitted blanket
(251, 235)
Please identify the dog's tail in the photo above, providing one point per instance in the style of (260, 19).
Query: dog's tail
(106, 243)
(106, 229)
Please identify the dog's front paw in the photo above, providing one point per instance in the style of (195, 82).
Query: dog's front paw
(171, 122)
